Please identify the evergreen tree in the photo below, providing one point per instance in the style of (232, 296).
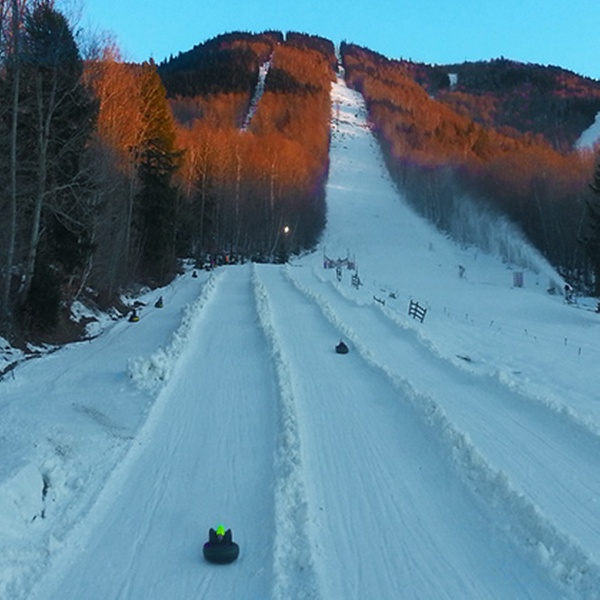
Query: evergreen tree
(57, 116)
(157, 197)
(9, 97)
(592, 240)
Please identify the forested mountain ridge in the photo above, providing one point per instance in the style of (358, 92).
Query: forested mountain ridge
(529, 98)
(516, 98)
(448, 160)
(221, 154)
(156, 175)
(255, 190)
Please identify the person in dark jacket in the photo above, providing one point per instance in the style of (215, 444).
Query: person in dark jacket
(341, 348)
(219, 536)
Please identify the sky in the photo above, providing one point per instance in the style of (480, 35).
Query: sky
(547, 32)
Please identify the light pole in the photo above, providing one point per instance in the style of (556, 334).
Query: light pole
(286, 231)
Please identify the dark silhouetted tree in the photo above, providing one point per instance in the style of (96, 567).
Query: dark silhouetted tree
(56, 118)
(157, 196)
(592, 239)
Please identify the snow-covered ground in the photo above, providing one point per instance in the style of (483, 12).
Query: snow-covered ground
(263, 71)
(589, 138)
(451, 458)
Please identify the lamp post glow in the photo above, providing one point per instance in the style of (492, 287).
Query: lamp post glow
(286, 250)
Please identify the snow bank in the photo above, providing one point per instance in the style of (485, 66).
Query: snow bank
(97, 320)
(153, 372)
(294, 575)
(589, 138)
(9, 356)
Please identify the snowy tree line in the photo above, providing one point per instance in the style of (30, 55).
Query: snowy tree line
(252, 188)
(83, 204)
(102, 187)
(46, 120)
(445, 160)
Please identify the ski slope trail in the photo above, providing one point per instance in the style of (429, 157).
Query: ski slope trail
(207, 458)
(548, 460)
(387, 516)
(263, 71)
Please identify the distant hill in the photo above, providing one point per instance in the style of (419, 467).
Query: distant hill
(509, 96)
(500, 132)
(529, 98)
(224, 64)
(503, 145)
(230, 62)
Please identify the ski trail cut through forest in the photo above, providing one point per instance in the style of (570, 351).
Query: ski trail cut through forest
(263, 71)
(411, 509)
(451, 398)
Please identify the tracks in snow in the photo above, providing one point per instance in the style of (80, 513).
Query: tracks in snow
(513, 451)
(205, 455)
(340, 476)
(377, 477)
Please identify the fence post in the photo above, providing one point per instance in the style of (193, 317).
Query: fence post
(416, 311)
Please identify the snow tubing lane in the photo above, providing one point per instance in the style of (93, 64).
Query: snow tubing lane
(221, 554)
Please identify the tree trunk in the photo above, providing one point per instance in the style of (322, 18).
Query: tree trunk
(5, 299)
(43, 123)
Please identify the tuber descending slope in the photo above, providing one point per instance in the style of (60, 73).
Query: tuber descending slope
(341, 348)
(220, 548)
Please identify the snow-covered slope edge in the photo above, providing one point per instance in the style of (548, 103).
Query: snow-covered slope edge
(149, 374)
(586, 424)
(589, 138)
(294, 575)
(153, 372)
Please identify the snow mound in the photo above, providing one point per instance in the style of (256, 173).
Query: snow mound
(292, 577)
(153, 372)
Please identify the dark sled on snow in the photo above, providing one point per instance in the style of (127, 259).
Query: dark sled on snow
(220, 552)
(341, 348)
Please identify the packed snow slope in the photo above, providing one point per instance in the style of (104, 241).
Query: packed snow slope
(454, 458)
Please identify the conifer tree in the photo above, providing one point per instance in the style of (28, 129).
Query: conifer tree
(11, 25)
(157, 197)
(592, 240)
(57, 116)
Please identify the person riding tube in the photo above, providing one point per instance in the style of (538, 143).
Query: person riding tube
(341, 348)
(220, 548)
